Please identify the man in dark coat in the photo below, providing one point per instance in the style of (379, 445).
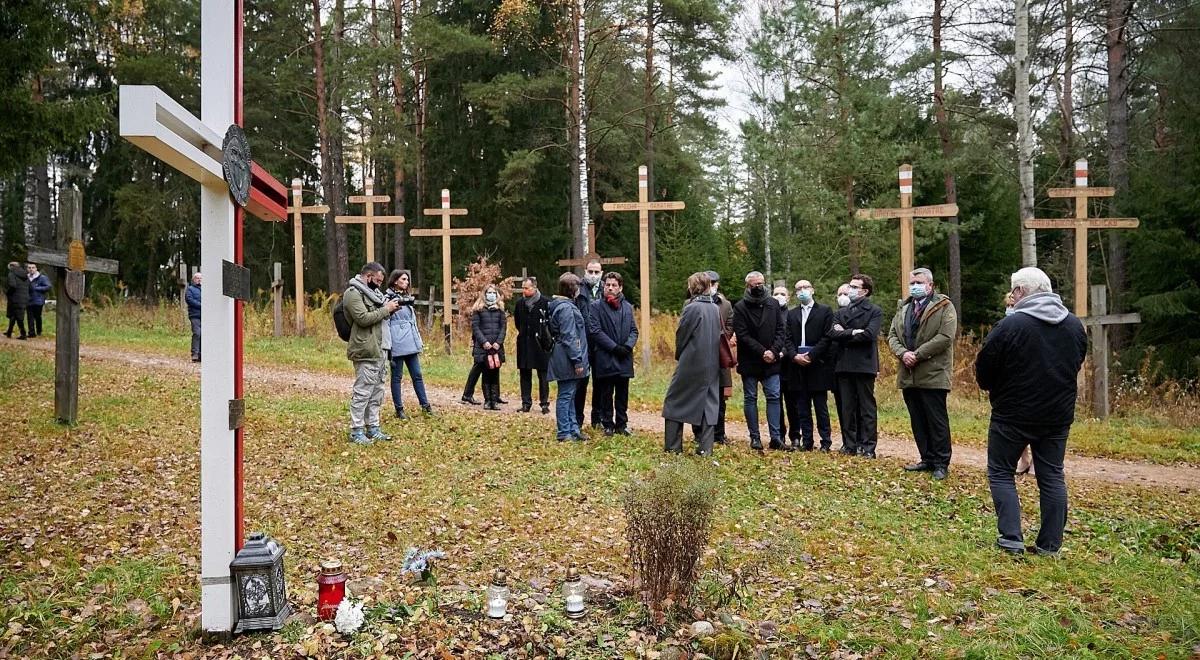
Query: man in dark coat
(590, 289)
(1028, 365)
(530, 313)
(810, 365)
(612, 334)
(16, 290)
(192, 297)
(759, 325)
(39, 286)
(857, 331)
(726, 308)
(695, 389)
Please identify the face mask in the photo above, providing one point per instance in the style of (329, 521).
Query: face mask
(852, 294)
(804, 295)
(490, 296)
(592, 280)
(756, 291)
(782, 299)
(373, 285)
(1009, 311)
(916, 290)
(712, 290)
(843, 300)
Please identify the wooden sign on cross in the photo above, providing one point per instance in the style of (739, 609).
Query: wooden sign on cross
(369, 219)
(297, 211)
(643, 207)
(156, 123)
(446, 232)
(70, 263)
(1098, 324)
(592, 254)
(907, 212)
(1081, 223)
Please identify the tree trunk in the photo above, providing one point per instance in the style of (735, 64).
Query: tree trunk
(1024, 132)
(944, 136)
(855, 246)
(334, 282)
(578, 193)
(581, 113)
(1116, 41)
(398, 112)
(336, 149)
(1066, 108)
(651, 116)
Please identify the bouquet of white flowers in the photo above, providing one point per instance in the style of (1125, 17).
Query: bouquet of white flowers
(349, 617)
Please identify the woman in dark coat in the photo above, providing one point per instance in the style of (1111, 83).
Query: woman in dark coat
(693, 397)
(530, 312)
(17, 291)
(489, 325)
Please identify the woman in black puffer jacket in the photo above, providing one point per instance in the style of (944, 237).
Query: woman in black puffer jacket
(16, 290)
(489, 325)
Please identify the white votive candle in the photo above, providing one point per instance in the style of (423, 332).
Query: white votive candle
(574, 603)
(497, 607)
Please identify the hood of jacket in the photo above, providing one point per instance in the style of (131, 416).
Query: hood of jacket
(1044, 306)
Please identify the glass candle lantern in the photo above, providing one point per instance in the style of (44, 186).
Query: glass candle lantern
(574, 590)
(331, 589)
(497, 595)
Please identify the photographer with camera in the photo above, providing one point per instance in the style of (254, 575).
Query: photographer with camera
(406, 341)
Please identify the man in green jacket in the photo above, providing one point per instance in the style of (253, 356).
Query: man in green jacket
(366, 310)
(922, 339)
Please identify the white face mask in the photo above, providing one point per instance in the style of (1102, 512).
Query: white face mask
(843, 300)
(782, 298)
(490, 296)
(852, 294)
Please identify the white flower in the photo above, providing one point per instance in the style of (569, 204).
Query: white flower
(349, 617)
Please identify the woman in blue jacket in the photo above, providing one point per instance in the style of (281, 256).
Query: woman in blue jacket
(406, 342)
(569, 359)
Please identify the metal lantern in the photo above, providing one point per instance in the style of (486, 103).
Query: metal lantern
(331, 589)
(497, 595)
(258, 585)
(573, 591)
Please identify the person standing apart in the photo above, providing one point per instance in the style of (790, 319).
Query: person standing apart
(857, 331)
(530, 312)
(921, 337)
(39, 286)
(569, 359)
(1029, 364)
(695, 389)
(489, 326)
(191, 296)
(367, 311)
(16, 290)
(406, 342)
(809, 366)
(612, 334)
(590, 289)
(759, 325)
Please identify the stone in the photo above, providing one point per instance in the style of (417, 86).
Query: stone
(768, 629)
(702, 629)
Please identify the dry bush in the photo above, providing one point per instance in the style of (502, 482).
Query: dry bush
(668, 519)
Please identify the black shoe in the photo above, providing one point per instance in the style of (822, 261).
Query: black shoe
(625, 431)
(498, 399)
(526, 406)
(400, 414)
(721, 441)
(756, 445)
(940, 473)
(609, 432)
(919, 466)
(868, 454)
(545, 409)
(582, 437)
(1012, 551)
(8, 334)
(825, 448)
(597, 426)
(774, 445)
(195, 358)
(428, 409)
(470, 400)
(23, 337)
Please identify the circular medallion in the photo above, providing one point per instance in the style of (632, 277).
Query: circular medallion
(235, 164)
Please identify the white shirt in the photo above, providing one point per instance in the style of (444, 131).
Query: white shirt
(804, 311)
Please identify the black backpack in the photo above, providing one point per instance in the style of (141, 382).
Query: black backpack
(545, 334)
(340, 322)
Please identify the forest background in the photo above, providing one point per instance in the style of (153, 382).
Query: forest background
(536, 112)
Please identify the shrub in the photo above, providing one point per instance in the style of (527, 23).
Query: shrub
(668, 518)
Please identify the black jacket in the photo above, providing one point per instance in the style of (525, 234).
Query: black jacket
(817, 376)
(1029, 363)
(488, 325)
(529, 354)
(17, 289)
(583, 300)
(860, 352)
(609, 328)
(759, 328)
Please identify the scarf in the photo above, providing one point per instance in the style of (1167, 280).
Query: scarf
(370, 294)
(533, 300)
(614, 301)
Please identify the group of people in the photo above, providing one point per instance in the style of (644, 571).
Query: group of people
(25, 290)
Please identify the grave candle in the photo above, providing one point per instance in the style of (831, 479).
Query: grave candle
(331, 589)
(497, 595)
(573, 590)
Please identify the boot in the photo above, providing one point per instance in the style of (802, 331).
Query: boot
(489, 401)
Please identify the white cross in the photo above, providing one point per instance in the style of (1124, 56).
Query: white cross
(156, 123)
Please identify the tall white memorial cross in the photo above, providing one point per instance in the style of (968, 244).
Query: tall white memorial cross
(153, 121)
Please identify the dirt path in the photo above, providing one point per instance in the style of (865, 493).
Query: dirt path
(272, 378)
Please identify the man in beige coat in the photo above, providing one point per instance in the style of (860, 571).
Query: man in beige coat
(922, 339)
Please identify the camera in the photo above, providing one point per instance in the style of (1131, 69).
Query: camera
(402, 298)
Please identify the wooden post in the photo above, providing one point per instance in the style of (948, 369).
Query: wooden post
(643, 207)
(183, 283)
(369, 218)
(297, 211)
(907, 213)
(446, 232)
(1081, 224)
(1098, 324)
(592, 254)
(277, 298)
(429, 316)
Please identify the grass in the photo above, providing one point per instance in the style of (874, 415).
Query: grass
(843, 556)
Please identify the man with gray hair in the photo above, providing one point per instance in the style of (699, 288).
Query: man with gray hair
(922, 339)
(761, 328)
(1028, 365)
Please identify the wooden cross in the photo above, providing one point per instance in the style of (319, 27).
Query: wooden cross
(643, 207)
(297, 211)
(69, 285)
(370, 219)
(516, 280)
(907, 212)
(1081, 223)
(1098, 323)
(277, 299)
(592, 254)
(153, 121)
(446, 232)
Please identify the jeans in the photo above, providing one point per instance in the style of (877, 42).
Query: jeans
(564, 409)
(367, 395)
(612, 399)
(527, 387)
(1006, 442)
(770, 385)
(413, 362)
(195, 337)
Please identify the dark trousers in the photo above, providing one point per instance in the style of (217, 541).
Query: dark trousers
(837, 405)
(612, 400)
(858, 404)
(719, 429)
(801, 405)
(195, 337)
(527, 387)
(34, 312)
(492, 377)
(1006, 442)
(673, 438)
(472, 379)
(17, 319)
(930, 424)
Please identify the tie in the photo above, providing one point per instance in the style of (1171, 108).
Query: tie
(804, 324)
